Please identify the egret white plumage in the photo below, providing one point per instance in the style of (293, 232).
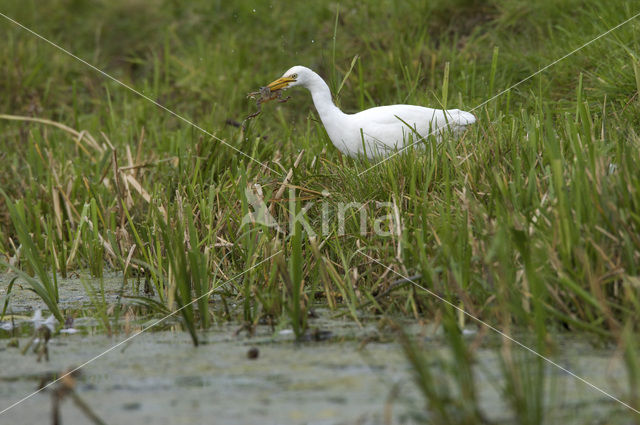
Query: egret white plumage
(377, 131)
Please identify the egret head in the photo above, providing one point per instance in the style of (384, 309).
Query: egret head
(295, 76)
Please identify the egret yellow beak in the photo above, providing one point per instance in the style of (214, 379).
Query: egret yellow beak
(280, 83)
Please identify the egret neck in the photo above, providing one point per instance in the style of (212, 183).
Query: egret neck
(331, 116)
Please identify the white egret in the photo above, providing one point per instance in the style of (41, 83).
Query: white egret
(377, 131)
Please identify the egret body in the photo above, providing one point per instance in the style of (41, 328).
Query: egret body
(377, 131)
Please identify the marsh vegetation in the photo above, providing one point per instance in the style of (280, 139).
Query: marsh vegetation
(530, 221)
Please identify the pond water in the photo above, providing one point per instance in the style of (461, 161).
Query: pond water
(358, 375)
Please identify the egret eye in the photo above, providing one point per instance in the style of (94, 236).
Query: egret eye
(294, 76)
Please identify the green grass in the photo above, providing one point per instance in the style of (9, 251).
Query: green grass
(529, 221)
